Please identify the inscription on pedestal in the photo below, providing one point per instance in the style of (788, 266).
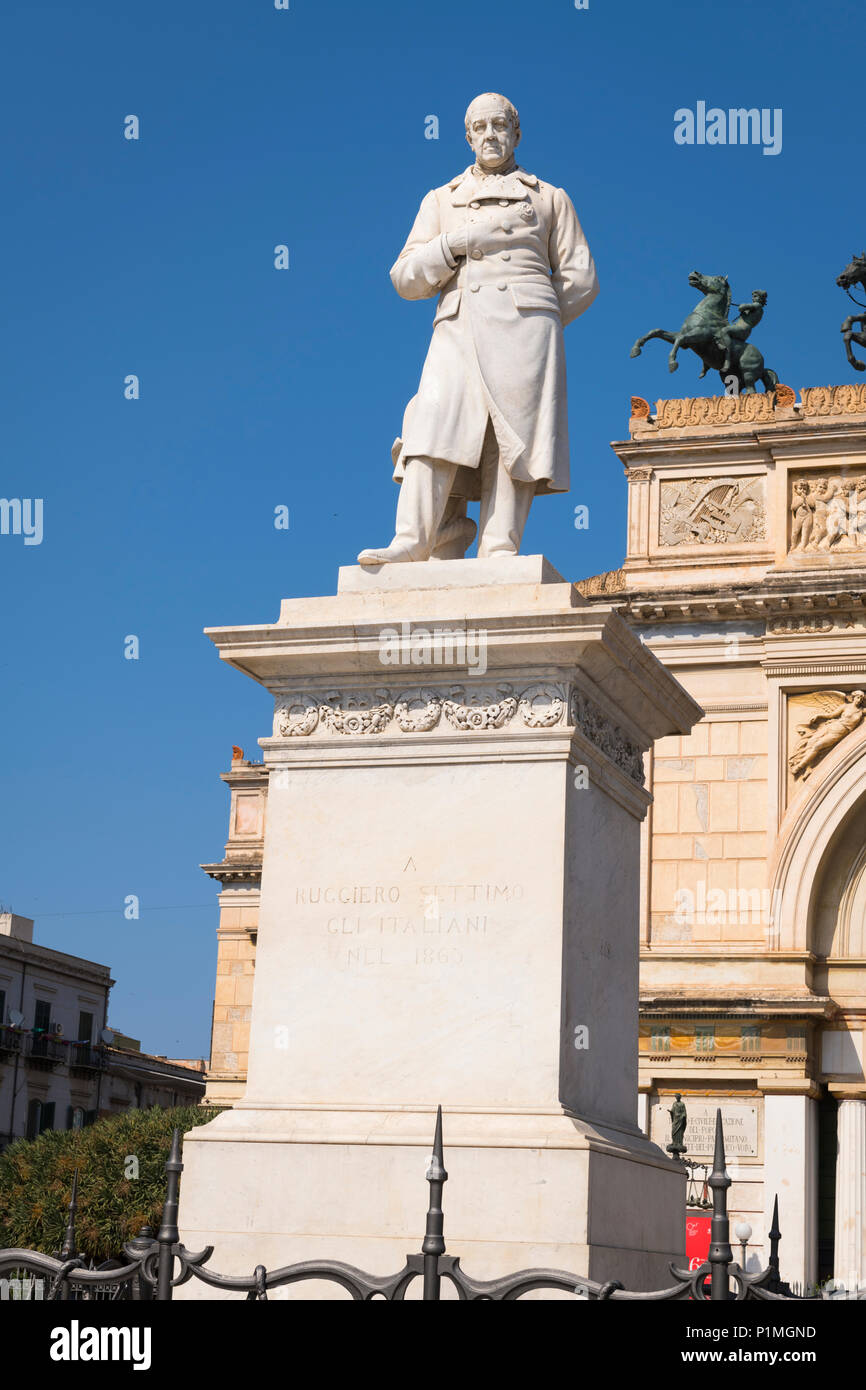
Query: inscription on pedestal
(417, 925)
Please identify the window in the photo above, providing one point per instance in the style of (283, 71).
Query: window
(42, 1016)
(34, 1119)
(47, 1117)
(85, 1028)
(751, 1038)
(705, 1037)
(661, 1038)
(75, 1117)
(797, 1038)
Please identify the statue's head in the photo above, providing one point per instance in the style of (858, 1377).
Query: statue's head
(493, 130)
(853, 273)
(710, 284)
(678, 1095)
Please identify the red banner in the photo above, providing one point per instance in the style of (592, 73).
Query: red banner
(697, 1240)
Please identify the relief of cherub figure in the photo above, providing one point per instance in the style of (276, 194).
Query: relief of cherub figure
(802, 512)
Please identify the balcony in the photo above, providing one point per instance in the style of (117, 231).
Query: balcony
(45, 1052)
(84, 1057)
(11, 1040)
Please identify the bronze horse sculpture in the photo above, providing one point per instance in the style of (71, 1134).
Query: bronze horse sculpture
(854, 274)
(721, 345)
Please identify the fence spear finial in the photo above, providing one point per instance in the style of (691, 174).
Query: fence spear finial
(433, 1244)
(168, 1235)
(721, 1255)
(775, 1234)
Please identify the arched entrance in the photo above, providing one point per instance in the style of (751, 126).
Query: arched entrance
(820, 909)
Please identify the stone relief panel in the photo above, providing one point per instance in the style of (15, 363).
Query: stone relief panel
(609, 739)
(712, 511)
(827, 513)
(460, 708)
(817, 722)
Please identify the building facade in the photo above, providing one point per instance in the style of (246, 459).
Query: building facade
(58, 1069)
(239, 874)
(745, 574)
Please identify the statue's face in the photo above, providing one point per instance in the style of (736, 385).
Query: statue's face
(491, 134)
(852, 272)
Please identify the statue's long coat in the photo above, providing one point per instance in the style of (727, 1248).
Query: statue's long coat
(497, 351)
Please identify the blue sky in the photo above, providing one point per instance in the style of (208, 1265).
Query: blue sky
(262, 388)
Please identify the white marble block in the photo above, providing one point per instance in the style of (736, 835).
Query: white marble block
(448, 915)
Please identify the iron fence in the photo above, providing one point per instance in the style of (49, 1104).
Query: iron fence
(155, 1265)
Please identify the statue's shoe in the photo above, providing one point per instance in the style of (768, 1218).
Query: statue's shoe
(454, 540)
(392, 554)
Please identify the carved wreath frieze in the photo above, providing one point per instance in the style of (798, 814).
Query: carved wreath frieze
(478, 712)
(296, 717)
(542, 705)
(359, 712)
(418, 713)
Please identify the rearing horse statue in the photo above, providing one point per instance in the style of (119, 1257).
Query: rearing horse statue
(719, 344)
(854, 274)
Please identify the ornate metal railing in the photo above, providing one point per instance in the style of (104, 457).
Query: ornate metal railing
(157, 1265)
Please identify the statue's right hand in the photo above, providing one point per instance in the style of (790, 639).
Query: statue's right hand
(458, 242)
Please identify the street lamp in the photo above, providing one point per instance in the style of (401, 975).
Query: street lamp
(743, 1232)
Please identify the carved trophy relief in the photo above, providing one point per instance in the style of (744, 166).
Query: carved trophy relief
(828, 513)
(830, 716)
(712, 511)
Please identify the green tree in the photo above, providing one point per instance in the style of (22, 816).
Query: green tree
(113, 1203)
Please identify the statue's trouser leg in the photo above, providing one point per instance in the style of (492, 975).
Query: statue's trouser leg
(456, 531)
(505, 505)
(423, 498)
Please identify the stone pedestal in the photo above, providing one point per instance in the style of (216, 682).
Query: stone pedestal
(448, 915)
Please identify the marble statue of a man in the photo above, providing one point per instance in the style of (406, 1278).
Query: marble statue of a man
(506, 254)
